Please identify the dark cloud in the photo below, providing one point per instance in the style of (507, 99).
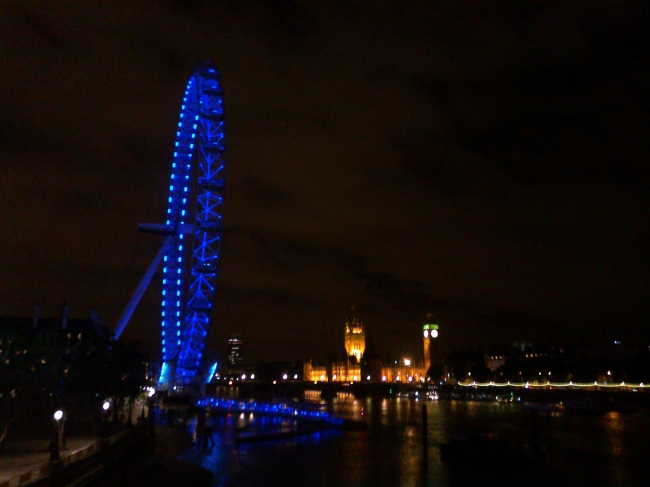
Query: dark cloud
(265, 196)
(487, 161)
(84, 201)
(43, 36)
(19, 133)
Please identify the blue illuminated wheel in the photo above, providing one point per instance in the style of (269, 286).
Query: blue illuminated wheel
(194, 227)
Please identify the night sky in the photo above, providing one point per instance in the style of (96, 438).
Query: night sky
(487, 161)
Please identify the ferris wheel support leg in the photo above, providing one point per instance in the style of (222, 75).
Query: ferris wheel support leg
(142, 287)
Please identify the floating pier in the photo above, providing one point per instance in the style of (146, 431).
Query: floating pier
(317, 420)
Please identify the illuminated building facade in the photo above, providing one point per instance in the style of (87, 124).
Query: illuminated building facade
(404, 371)
(235, 344)
(335, 372)
(363, 365)
(494, 362)
(355, 338)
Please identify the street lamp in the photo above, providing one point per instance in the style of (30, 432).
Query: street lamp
(105, 406)
(54, 450)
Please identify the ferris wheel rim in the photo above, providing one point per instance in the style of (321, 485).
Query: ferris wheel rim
(188, 295)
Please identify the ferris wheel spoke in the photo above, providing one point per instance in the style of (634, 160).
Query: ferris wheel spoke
(191, 264)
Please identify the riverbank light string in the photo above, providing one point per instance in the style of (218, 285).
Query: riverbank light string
(548, 384)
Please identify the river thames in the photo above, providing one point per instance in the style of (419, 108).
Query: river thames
(607, 449)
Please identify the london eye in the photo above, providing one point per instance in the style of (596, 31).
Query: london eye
(192, 230)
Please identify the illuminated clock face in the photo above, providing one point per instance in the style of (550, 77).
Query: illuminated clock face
(426, 333)
(434, 333)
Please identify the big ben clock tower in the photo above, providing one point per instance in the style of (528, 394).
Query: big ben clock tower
(429, 332)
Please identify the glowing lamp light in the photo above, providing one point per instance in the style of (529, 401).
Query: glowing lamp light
(322, 377)
(410, 378)
(284, 376)
(426, 333)
(58, 415)
(243, 377)
(106, 405)
(355, 378)
(434, 333)
(252, 376)
(295, 376)
(368, 378)
(383, 378)
(407, 362)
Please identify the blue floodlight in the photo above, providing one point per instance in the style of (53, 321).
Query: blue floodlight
(213, 370)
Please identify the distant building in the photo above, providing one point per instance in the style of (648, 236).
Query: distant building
(355, 337)
(235, 344)
(74, 330)
(494, 361)
(41, 348)
(363, 364)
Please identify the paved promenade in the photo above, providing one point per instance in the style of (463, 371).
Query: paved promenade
(19, 457)
(25, 459)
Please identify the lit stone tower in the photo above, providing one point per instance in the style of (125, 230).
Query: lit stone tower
(355, 338)
(430, 332)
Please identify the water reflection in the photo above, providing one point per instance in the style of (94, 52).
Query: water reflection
(599, 450)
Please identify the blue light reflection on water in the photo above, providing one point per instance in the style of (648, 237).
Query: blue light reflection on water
(603, 450)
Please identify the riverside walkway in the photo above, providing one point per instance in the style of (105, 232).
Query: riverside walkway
(26, 460)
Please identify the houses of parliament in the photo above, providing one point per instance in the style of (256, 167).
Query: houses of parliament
(363, 363)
